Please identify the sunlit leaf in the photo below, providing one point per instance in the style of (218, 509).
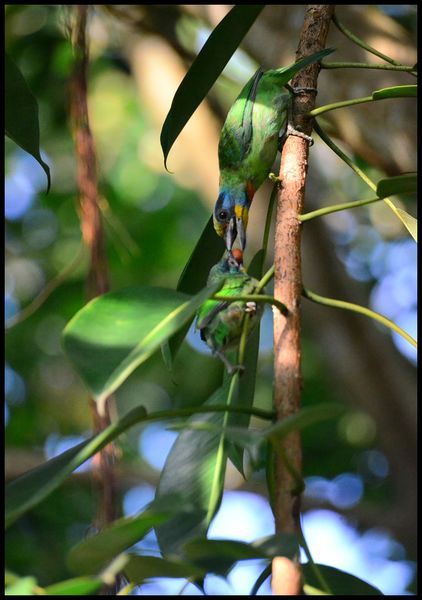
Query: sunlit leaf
(78, 586)
(339, 582)
(401, 184)
(90, 555)
(396, 91)
(22, 587)
(113, 334)
(21, 114)
(205, 69)
(194, 473)
(408, 221)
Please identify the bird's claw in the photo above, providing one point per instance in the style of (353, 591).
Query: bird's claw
(292, 131)
(250, 307)
(273, 177)
(236, 369)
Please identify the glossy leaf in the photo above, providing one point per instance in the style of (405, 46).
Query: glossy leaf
(113, 334)
(400, 184)
(78, 586)
(205, 69)
(90, 555)
(21, 114)
(141, 568)
(194, 474)
(396, 91)
(339, 582)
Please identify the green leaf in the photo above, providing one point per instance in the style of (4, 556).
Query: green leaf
(140, 568)
(396, 91)
(113, 334)
(78, 586)
(408, 221)
(340, 583)
(90, 555)
(219, 556)
(400, 184)
(22, 587)
(248, 380)
(21, 114)
(32, 487)
(194, 474)
(207, 252)
(248, 438)
(205, 69)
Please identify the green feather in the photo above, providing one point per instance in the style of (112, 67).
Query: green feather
(221, 322)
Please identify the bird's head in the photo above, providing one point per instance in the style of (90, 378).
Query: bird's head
(231, 214)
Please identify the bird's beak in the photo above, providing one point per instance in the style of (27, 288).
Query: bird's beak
(235, 228)
(231, 233)
(241, 232)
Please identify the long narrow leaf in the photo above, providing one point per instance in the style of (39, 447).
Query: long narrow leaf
(400, 184)
(93, 553)
(205, 69)
(194, 473)
(21, 114)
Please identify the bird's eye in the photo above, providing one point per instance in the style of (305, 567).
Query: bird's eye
(223, 216)
(233, 263)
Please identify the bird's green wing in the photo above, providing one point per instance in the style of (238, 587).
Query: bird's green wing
(208, 311)
(236, 135)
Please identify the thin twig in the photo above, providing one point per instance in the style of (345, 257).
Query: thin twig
(92, 232)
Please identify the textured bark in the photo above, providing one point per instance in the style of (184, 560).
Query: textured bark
(92, 232)
(288, 279)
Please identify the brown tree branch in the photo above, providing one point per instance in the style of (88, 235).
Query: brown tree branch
(288, 280)
(92, 232)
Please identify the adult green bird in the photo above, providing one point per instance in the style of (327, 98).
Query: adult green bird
(248, 145)
(220, 322)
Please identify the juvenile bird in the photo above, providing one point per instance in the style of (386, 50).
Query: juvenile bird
(248, 145)
(220, 322)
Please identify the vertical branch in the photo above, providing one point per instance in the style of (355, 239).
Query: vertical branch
(92, 233)
(288, 281)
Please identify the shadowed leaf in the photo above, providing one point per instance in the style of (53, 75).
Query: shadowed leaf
(205, 69)
(21, 114)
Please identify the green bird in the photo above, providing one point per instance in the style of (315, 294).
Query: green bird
(220, 323)
(249, 142)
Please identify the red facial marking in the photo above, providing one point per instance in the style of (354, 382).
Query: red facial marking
(237, 255)
(250, 190)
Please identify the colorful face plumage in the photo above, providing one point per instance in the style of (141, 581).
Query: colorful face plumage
(231, 217)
